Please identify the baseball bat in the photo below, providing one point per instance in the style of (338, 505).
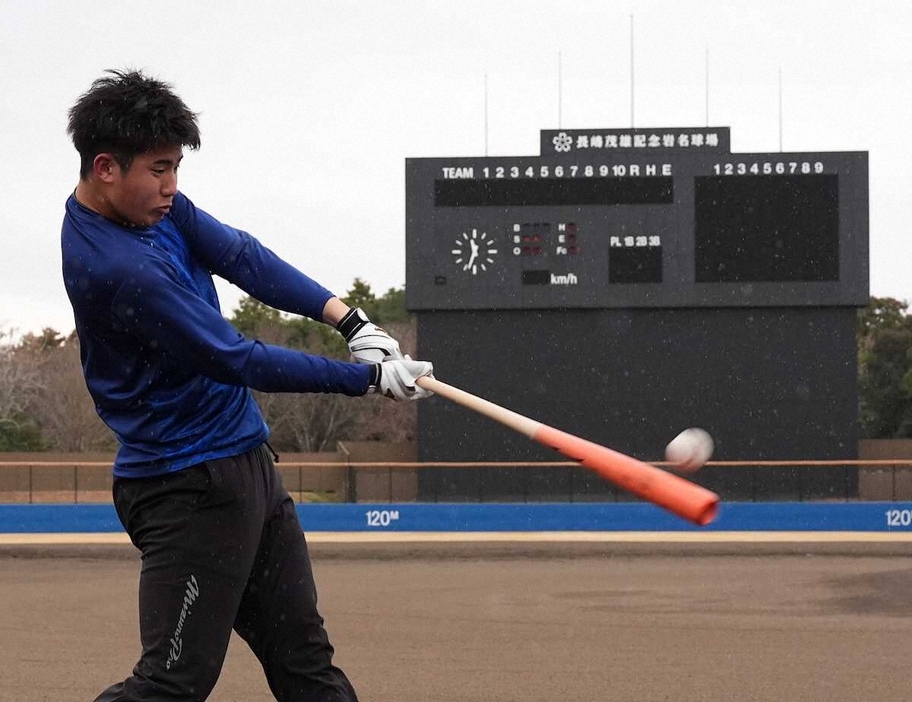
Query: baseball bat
(672, 492)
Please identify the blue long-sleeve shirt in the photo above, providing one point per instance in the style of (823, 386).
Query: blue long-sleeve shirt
(168, 374)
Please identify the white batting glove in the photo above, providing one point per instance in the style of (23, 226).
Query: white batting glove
(396, 379)
(367, 342)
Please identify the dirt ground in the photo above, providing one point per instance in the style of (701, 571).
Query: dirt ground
(448, 623)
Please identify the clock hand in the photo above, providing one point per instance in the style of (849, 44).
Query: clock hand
(474, 255)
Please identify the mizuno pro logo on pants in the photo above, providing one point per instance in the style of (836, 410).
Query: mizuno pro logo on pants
(191, 593)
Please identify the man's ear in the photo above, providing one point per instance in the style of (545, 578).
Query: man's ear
(104, 168)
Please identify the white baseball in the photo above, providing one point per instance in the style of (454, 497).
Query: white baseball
(690, 449)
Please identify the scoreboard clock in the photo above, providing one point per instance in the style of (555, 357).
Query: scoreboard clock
(634, 218)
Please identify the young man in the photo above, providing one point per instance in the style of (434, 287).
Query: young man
(194, 484)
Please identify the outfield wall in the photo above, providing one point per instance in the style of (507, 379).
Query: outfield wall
(875, 517)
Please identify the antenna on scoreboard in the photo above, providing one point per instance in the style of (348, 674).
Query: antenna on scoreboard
(707, 85)
(486, 113)
(559, 89)
(631, 73)
(780, 109)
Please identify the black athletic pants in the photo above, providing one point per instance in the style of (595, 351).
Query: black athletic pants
(222, 549)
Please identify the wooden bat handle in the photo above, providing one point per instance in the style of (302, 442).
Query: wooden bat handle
(512, 419)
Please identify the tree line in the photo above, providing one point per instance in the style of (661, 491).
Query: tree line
(44, 404)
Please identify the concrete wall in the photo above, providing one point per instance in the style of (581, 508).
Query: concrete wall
(76, 477)
(328, 476)
(381, 484)
(308, 477)
(885, 482)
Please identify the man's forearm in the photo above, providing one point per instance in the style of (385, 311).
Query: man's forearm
(334, 310)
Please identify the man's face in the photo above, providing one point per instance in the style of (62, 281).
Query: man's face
(141, 196)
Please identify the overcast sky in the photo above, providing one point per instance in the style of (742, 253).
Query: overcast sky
(308, 110)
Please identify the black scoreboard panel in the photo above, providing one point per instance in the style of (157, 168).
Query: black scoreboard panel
(772, 384)
(549, 192)
(662, 229)
(777, 229)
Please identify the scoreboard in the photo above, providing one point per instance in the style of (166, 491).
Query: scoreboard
(632, 218)
(628, 283)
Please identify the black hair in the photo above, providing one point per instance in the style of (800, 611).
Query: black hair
(126, 113)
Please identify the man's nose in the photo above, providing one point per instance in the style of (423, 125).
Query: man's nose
(169, 185)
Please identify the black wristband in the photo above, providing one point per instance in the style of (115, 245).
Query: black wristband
(353, 320)
(375, 373)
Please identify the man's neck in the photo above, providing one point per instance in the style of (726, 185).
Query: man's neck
(91, 197)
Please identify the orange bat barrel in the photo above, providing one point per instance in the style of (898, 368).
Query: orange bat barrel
(677, 495)
(682, 497)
